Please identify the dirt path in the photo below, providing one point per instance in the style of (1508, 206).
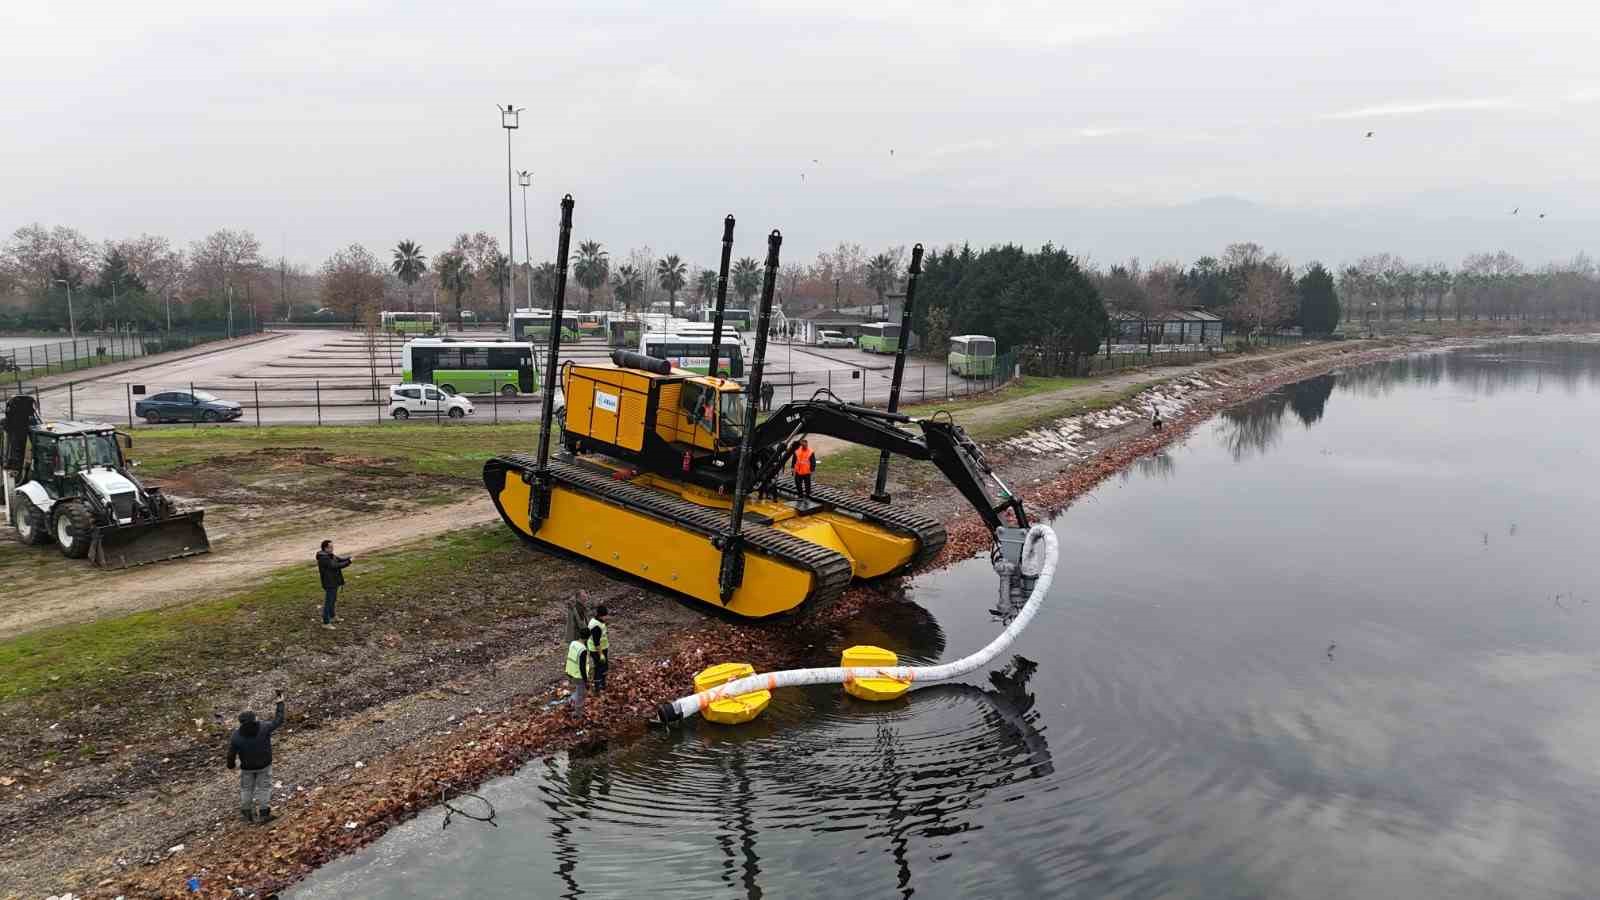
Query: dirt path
(83, 592)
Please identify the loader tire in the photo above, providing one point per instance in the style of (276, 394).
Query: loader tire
(33, 527)
(74, 528)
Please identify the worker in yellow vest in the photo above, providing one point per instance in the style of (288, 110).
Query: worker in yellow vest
(600, 647)
(579, 665)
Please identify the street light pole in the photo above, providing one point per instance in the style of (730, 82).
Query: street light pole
(72, 322)
(509, 119)
(525, 178)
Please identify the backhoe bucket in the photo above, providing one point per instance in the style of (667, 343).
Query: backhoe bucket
(122, 546)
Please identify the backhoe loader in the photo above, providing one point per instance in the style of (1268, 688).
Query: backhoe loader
(68, 482)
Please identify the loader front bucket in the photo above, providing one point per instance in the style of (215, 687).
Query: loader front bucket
(121, 546)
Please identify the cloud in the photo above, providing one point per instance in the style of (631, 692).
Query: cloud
(1391, 110)
(1020, 22)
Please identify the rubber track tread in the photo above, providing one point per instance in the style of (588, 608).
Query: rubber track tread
(829, 569)
(930, 533)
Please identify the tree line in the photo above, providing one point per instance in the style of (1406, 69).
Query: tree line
(1053, 306)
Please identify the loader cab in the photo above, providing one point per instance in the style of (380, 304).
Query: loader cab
(59, 451)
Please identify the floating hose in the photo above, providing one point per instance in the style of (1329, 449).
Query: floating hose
(1037, 563)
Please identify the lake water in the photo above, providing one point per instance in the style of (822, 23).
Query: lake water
(1342, 642)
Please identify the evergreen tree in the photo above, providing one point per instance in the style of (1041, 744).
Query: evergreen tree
(1319, 303)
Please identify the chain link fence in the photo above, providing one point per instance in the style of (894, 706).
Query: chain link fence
(21, 362)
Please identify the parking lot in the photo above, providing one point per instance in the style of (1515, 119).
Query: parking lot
(327, 377)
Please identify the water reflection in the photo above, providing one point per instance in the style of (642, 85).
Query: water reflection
(874, 776)
(1253, 427)
(1486, 372)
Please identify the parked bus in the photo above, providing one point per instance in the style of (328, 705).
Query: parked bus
(880, 337)
(693, 352)
(622, 331)
(534, 325)
(470, 367)
(409, 322)
(971, 355)
(591, 324)
(730, 316)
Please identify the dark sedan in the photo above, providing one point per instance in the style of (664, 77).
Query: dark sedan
(182, 406)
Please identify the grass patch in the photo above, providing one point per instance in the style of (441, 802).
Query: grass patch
(71, 666)
(454, 450)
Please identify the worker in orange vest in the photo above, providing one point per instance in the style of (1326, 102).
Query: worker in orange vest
(804, 462)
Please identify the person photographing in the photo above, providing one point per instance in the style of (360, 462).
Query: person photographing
(330, 567)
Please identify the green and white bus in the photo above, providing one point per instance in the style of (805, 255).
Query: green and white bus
(880, 337)
(409, 322)
(470, 367)
(971, 355)
(732, 315)
(534, 325)
(622, 331)
(693, 352)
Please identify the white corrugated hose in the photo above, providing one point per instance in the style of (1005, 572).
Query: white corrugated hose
(1038, 561)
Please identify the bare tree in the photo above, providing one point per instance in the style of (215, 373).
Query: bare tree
(1262, 302)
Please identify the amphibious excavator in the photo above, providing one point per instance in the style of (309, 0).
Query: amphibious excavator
(669, 476)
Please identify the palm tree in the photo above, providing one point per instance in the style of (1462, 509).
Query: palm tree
(628, 283)
(455, 274)
(408, 266)
(592, 268)
(544, 282)
(882, 273)
(705, 287)
(671, 274)
(499, 269)
(746, 278)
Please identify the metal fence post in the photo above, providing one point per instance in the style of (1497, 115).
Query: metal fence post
(922, 395)
(830, 381)
(129, 388)
(495, 399)
(72, 412)
(319, 401)
(863, 387)
(258, 403)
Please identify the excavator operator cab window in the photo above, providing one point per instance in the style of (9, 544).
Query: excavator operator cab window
(699, 405)
(734, 411)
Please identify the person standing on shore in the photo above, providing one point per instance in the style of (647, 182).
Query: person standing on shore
(578, 667)
(251, 747)
(599, 647)
(330, 567)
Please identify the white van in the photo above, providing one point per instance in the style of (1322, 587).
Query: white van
(833, 339)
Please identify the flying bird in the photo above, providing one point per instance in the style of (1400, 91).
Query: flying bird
(1514, 211)
(1541, 215)
(1369, 134)
(891, 151)
(816, 162)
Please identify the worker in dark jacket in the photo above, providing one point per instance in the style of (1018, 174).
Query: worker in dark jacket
(251, 747)
(767, 390)
(329, 566)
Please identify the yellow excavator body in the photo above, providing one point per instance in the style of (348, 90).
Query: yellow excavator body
(620, 502)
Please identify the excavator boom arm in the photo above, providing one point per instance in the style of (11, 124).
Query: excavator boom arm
(942, 443)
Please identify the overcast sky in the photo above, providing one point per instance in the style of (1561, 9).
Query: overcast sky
(316, 124)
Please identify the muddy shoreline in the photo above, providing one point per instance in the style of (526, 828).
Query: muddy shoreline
(351, 808)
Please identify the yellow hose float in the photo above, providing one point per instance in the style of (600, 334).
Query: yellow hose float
(732, 693)
(879, 687)
(738, 708)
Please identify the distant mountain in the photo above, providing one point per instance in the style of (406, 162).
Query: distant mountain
(1443, 227)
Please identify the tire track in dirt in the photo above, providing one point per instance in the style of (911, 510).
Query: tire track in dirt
(85, 593)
